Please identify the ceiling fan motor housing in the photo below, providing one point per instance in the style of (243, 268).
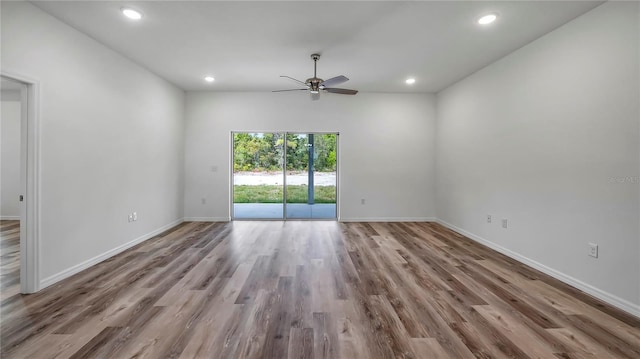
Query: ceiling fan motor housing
(314, 84)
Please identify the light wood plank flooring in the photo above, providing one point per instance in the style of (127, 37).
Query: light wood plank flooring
(9, 258)
(313, 290)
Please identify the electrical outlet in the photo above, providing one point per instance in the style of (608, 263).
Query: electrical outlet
(593, 250)
(203, 200)
(362, 201)
(504, 223)
(488, 218)
(135, 216)
(214, 168)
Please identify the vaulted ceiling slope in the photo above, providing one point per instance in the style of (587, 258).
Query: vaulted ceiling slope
(246, 45)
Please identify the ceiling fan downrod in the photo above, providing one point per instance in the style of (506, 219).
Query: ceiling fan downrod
(315, 58)
(314, 82)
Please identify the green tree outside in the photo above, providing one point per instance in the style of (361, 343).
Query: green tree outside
(260, 152)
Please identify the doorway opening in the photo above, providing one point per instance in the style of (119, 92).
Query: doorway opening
(19, 183)
(283, 175)
(11, 185)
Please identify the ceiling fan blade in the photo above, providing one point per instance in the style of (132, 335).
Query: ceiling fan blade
(298, 81)
(290, 90)
(315, 96)
(341, 91)
(334, 81)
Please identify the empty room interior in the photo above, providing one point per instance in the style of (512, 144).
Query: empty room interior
(320, 179)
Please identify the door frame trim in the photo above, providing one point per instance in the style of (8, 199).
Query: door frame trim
(30, 162)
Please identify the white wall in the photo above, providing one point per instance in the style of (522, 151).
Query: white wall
(10, 161)
(548, 137)
(386, 148)
(111, 141)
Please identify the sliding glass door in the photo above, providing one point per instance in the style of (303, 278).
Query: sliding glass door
(258, 175)
(306, 190)
(311, 189)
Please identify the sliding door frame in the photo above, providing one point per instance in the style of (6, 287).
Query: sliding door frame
(284, 177)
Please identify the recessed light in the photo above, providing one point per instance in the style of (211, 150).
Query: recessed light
(131, 14)
(209, 78)
(410, 81)
(487, 19)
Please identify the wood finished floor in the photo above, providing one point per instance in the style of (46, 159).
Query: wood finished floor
(9, 258)
(312, 290)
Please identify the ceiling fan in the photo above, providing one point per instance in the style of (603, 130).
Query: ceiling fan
(314, 84)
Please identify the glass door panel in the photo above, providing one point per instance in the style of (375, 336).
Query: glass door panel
(258, 177)
(311, 184)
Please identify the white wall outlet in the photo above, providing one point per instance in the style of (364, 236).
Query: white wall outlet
(488, 218)
(362, 201)
(214, 168)
(593, 250)
(135, 216)
(504, 223)
(203, 200)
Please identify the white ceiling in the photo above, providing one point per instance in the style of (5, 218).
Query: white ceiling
(246, 45)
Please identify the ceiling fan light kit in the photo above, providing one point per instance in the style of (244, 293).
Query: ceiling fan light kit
(315, 84)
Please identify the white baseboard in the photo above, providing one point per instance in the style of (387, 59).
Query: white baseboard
(389, 219)
(104, 256)
(207, 219)
(609, 298)
(10, 218)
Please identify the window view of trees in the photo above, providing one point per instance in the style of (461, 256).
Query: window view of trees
(260, 152)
